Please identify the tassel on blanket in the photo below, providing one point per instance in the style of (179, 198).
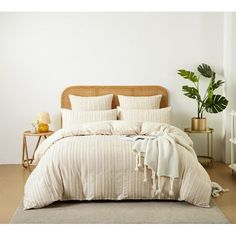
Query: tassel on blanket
(136, 164)
(145, 173)
(216, 189)
(139, 160)
(158, 191)
(154, 184)
(171, 192)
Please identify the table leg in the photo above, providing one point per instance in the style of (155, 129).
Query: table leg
(208, 148)
(35, 149)
(27, 154)
(211, 149)
(23, 152)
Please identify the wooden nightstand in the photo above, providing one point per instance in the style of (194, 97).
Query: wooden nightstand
(208, 159)
(26, 160)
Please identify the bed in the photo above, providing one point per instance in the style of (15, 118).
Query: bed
(103, 159)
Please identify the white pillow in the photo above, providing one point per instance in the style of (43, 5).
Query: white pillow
(162, 115)
(122, 127)
(146, 102)
(91, 128)
(71, 119)
(96, 103)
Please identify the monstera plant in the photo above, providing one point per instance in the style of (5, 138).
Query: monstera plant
(209, 101)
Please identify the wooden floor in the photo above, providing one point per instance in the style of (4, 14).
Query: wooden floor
(222, 174)
(13, 177)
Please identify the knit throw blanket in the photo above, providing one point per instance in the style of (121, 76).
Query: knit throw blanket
(158, 153)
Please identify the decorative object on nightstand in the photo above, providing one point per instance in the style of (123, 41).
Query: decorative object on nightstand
(34, 127)
(232, 142)
(43, 119)
(208, 159)
(26, 160)
(210, 102)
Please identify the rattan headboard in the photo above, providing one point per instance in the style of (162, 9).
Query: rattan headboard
(115, 90)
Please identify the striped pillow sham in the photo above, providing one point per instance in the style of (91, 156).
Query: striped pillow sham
(162, 115)
(71, 118)
(96, 103)
(145, 102)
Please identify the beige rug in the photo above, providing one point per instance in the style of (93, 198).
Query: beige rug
(124, 212)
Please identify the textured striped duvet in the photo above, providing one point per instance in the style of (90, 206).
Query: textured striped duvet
(94, 162)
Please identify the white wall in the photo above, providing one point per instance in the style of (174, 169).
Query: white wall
(43, 53)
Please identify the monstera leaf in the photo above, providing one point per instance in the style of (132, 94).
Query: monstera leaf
(205, 70)
(217, 104)
(191, 92)
(188, 75)
(217, 84)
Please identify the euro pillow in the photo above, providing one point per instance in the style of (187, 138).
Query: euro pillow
(71, 119)
(146, 102)
(96, 103)
(162, 115)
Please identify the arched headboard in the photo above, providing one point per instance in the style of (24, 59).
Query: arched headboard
(115, 90)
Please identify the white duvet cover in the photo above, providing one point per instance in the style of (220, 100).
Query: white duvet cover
(95, 161)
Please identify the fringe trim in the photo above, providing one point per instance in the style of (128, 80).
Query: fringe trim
(171, 192)
(145, 173)
(156, 180)
(139, 160)
(136, 164)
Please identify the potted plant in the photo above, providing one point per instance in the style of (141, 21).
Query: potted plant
(209, 102)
